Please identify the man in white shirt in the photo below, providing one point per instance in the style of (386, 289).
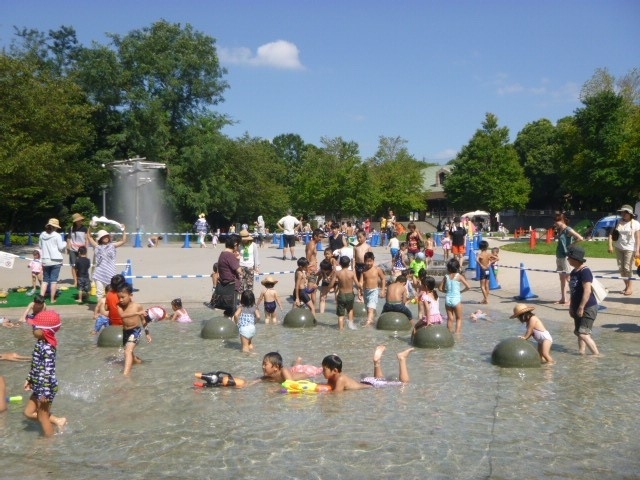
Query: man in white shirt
(288, 224)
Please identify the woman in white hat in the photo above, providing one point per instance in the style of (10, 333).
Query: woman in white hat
(105, 257)
(52, 246)
(625, 238)
(77, 238)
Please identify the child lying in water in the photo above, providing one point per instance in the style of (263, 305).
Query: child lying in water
(332, 371)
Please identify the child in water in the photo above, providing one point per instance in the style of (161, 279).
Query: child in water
(33, 308)
(535, 329)
(270, 297)
(100, 313)
(429, 303)
(246, 316)
(274, 371)
(180, 314)
(42, 379)
(339, 382)
(453, 299)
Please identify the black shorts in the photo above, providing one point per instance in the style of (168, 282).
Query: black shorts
(289, 241)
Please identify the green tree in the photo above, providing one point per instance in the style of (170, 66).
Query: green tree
(486, 173)
(255, 177)
(539, 154)
(397, 177)
(44, 130)
(290, 149)
(601, 127)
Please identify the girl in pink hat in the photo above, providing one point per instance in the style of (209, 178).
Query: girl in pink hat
(42, 381)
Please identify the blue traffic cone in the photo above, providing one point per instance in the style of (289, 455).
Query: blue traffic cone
(187, 242)
(472, 258)
(128, 272)
(525, 289)
(138, 241)
(319, 247)
(477, 272)
(493, 281)
(274, 239)
(7, 239)
(281, 244)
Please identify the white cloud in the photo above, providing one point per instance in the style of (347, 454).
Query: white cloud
(278, 54)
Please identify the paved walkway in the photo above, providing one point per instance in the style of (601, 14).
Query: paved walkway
(196, 263)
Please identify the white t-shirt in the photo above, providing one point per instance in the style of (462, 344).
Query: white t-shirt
(394, 243)
(627, 240)
(289, 223)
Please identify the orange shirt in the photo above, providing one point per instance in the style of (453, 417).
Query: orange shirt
(112, 306)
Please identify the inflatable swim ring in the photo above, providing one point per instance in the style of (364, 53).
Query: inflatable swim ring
(304, 386)
(308, 370)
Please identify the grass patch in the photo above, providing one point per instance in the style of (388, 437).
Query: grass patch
(591, 249)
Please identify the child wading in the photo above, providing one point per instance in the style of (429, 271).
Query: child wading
(42, 379)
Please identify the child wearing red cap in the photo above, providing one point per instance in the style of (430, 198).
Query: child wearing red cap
(42, 379)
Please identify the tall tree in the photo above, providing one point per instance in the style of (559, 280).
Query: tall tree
(290, 148)
(45, 128)
(539, 154)
(601, 126)
(486, 173)
(397, 177)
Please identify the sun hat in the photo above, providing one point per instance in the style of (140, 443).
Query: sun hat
(626, 208)
(49, 322)
(521, 308)
(76, 217)
(420, 256)
(269, 279)
(245, 235)
(54, 223)
(201, 215)
(46, 320)
(577, 253)
(100, 234)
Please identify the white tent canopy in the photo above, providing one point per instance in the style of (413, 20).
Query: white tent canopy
(476, 213)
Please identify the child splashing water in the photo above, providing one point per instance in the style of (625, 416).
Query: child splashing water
(246, 316)
(180, 314)
(453, 299)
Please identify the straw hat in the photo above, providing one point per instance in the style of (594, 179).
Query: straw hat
(54, 223)
(100, 234)
(269, 279)
(46, 320)
(76, 217)
(521, 308)
(245, 235)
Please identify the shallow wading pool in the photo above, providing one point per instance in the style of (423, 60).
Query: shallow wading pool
(460, 417)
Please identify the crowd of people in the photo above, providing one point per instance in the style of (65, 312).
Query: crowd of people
(348, 270)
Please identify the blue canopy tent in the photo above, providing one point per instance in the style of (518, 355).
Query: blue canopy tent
(603, 227)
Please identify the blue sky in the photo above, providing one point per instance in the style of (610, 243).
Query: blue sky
(427, 71)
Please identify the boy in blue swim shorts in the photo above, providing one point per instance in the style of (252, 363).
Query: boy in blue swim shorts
(374, 284)
(132, 315)
(339, 382)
